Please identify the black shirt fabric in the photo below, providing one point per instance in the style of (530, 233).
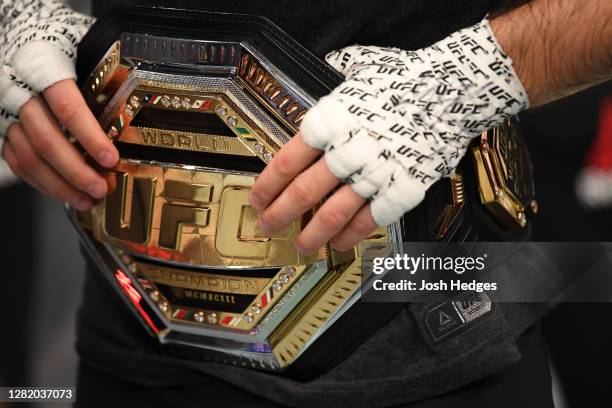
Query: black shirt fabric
(393, 367)
(530, 375)
(322, 26)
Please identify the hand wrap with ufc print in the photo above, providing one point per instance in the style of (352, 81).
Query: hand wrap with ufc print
(402, 120)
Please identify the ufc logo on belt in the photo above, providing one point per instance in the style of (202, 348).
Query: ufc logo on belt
(189, 216)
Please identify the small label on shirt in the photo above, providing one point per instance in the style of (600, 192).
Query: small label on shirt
(456, 314)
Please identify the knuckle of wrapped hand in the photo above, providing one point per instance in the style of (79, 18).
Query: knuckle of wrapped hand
(261, 192)
(11, 131)
(282, 164)
(41, 142)
(27, 114)
(26, 159)
(270, 221)
(66, 110)
(76, 177)
(332, 218)
(362, 226)
(301, 194)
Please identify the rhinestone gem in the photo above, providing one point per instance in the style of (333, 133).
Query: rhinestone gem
(232, 121)
(283, 278)
(290, 271)
(133, 268)
(165, 101)
(522, 218)
(186, 103)
(256, 309)
(113, 132)
(129, 110)
(176, 102)
(212, 318)
(259, 148)
(267, 156)
(199, 317)
(277, 286)
(499, 193)
(134, 101)
(221, 111)
(154, 296)
(247, 318)
(163, 306)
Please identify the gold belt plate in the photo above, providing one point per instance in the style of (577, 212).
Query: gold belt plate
(505, 175)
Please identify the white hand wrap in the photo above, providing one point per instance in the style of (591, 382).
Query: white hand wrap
(403, 119)
(38, 41)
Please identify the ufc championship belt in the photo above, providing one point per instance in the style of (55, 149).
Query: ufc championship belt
(197, 103)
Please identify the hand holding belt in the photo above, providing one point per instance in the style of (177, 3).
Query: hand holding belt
(39, 40)
(404, 119)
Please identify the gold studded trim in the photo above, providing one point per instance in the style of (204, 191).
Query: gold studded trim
(253, 139)
(269, 91)
(265, 299)
(106, 79)
(449, 214)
